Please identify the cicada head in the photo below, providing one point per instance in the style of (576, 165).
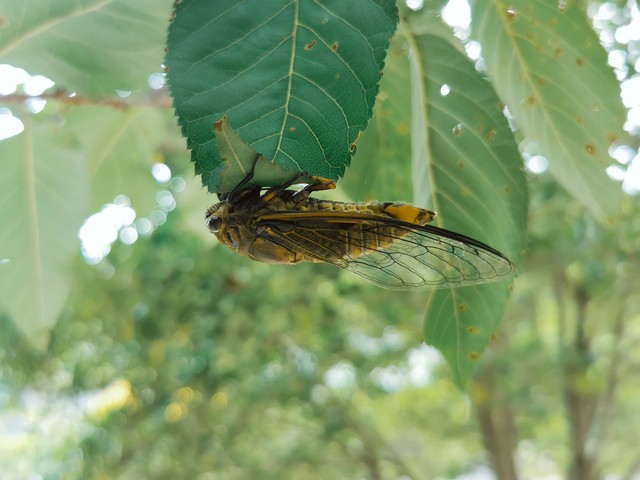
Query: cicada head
(229, 225)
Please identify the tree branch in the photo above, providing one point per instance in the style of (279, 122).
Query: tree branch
(157, 98)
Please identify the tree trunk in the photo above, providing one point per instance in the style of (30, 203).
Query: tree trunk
(497, 425)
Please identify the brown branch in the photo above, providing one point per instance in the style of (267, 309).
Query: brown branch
(607, 404)
(157, 98)
(580, 404)
(374, 443)
(497, 423)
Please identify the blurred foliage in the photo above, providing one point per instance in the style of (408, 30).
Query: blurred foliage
(227, 362)
(240, 370)
(175, 358)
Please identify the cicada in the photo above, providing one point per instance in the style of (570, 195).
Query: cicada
(391, 244)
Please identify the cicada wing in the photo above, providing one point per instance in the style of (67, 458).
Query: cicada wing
(429, 257)
(388, 252)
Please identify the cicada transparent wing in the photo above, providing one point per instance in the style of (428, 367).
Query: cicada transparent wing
(388, 252)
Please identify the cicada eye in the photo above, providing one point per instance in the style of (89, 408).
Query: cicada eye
(214, 224)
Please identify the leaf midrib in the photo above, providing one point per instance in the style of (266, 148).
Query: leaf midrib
(32, 217)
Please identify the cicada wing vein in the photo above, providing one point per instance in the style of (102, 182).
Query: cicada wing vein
(390, 253)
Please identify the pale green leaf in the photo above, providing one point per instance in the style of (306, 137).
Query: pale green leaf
(44, 197)
(548, 66)
(381, 168)
(89, 46)
(468, 169)
(121, 146)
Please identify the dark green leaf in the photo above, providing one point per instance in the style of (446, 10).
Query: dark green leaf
(297, 80)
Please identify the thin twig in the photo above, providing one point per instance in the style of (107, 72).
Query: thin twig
(158, 98)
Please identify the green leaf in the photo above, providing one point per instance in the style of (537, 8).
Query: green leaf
(381, 169)
(467, 168)
(121, 147)
(297, 80)
(548, 66)
(44, 197)
(73, 41)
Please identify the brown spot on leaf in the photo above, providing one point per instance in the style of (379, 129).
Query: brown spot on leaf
(507, 189)
(292, 129)
(461, 308)
(473, 356)
(3, 22)
(541, 81)
(334, 46)
(457, 130)
(553, 22)
(500, 106)
(612, 137)
(460, 164)
(538, 47)
(579, 120)
(579, 61)
(531, 35)
(352, 146)
(310, 45)
(473, 330)
(531, 100)
(590, 148)
(557, 52)
(491, 134)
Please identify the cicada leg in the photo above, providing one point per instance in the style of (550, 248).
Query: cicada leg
(241, 186)
(320, 183)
